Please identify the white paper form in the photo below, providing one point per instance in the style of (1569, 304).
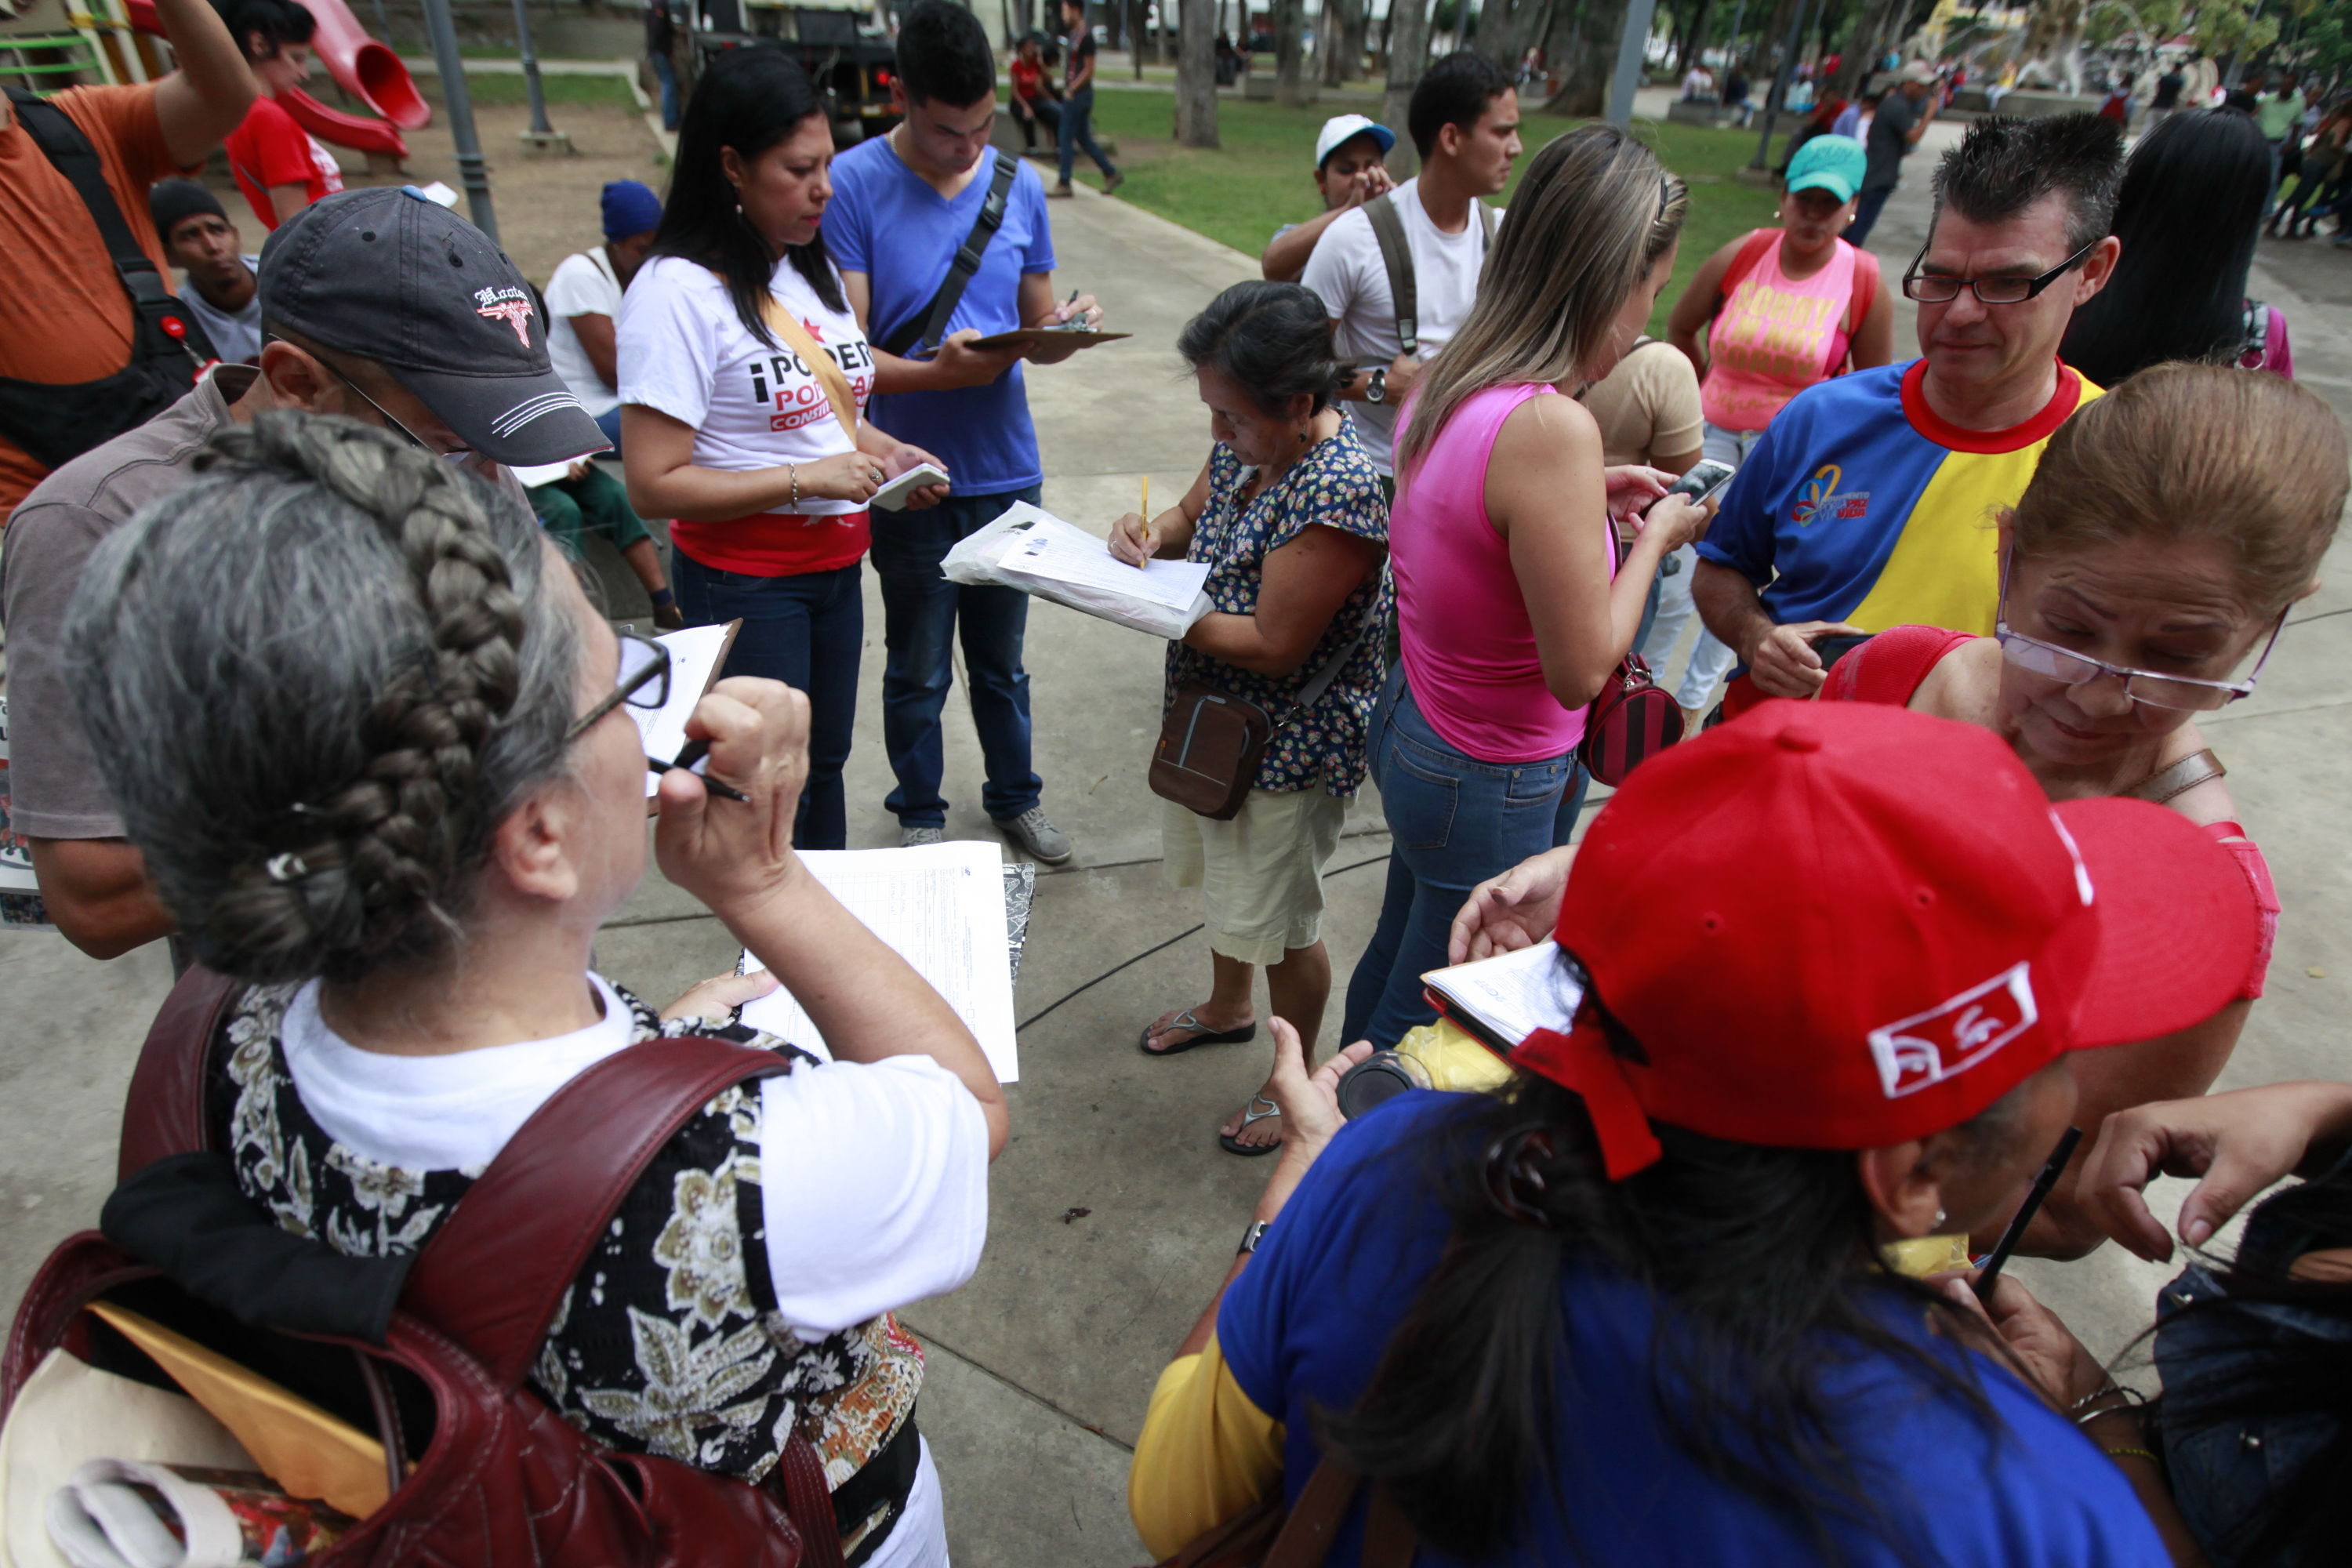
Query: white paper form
(941, 907)
(1068, 554)
(1514, 994)
(694, 655)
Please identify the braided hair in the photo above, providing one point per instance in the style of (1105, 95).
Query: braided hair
(315, 680)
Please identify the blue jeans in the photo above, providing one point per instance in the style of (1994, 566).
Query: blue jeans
(1453, 822)
(923, 618)
(805, 631)
(667, 74)
(1077, 130)
(1866, 208)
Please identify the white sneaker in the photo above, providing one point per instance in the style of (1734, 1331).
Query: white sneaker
(910, 837)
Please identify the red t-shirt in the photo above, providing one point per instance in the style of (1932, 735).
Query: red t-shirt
(777, 544)
(1026, 80)
(268, 149)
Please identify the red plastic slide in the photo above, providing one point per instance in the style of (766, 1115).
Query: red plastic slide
(360, 66)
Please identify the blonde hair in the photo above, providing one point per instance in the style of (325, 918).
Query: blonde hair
(1590, 219)
(2244, 460)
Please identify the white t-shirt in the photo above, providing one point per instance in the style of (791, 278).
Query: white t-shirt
(873, 1176)
(1347, 271)
(237, 339)
(683, 351)
(583, 285)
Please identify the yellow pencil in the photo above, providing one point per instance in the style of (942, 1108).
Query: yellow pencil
(1144, 512)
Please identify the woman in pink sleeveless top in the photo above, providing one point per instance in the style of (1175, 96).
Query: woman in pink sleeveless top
(1776, 311)
(1510, 612)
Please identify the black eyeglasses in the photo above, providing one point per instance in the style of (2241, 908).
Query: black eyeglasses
(643, 682)
(1937, 288)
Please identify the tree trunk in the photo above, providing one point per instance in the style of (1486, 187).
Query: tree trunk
(1331, 43)
(1290, 53)
(1590, 62)
(1694, 46)
(1408, 53)
(1196, 72)
(1496, 28)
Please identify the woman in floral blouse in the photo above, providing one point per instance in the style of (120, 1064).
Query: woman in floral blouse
(1289, 513)
(401, 813)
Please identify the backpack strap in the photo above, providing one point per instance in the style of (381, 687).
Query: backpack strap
(1396, 254)
(493, 1275)
(1865, 293)
(1743, 262)
(163, 1114)
(64, 146)
(922, 333)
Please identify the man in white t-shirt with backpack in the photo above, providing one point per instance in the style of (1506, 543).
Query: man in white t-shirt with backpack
(1430, 233)
(583, 302)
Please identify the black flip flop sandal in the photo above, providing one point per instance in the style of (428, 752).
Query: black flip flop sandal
(1204, 1035)
(1230, 1141)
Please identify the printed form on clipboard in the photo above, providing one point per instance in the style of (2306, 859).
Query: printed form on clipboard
(1504, 999)
(941, 907)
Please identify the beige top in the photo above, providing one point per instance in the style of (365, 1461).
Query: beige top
(1648, 407)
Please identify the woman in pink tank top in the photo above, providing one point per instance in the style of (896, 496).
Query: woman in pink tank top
(1510, 611)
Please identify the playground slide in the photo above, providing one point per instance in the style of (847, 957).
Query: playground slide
(359, 65)
(358, 132)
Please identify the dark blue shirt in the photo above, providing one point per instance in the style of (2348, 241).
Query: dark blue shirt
(1305, 1323)
(885, 222)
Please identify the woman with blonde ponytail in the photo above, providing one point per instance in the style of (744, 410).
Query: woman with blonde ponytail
(1511, 607)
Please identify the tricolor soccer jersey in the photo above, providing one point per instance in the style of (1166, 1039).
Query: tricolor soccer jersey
(1861, 505)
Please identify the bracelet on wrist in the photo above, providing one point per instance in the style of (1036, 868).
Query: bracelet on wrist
(794, 504)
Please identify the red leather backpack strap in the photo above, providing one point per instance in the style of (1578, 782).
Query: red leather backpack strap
(165, 1112)
(1743, 262)
(1890, 667)
(1865, 290)
(492, 1277)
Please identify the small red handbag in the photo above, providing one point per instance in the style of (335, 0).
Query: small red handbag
(1631, 719)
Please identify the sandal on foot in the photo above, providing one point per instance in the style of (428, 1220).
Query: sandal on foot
(1202, 1034)
(1231, 1142)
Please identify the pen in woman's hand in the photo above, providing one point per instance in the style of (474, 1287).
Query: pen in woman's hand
(695, 751)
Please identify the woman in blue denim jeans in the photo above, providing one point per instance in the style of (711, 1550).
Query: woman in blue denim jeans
(1510, 608)
(743, 373)
(2245, 1458)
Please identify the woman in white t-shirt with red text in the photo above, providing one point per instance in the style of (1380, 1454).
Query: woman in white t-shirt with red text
(739, 359)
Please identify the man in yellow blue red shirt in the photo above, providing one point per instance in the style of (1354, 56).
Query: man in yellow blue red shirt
(1871, 499)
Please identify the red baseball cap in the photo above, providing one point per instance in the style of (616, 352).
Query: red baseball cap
(1847, 925)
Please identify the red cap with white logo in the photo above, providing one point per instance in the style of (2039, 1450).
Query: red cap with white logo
(1846, 925)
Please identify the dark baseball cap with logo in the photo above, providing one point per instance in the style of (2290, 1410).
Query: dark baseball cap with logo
(390, 275)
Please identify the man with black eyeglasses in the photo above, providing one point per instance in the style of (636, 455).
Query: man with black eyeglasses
(1870, 501)
(379, 305)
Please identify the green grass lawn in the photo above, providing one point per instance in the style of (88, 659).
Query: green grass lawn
(1260, 179)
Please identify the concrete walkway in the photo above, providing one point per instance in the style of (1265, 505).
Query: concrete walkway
(1114, 1213)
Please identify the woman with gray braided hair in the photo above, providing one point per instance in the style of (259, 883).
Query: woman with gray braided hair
(399, 811)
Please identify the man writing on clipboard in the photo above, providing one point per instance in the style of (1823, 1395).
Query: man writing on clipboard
(940, 244)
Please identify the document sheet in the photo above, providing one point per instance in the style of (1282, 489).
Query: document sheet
(695, 655)
(1037, 552)
(1082, 559)
(1514, 993)
(941, 906)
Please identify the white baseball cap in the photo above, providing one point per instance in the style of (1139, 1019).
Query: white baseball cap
(1341, 127)
(1918, 71)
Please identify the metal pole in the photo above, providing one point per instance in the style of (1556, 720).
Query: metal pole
(471, 171)
(539, 125)
(1633, 48)
(1738, 15)
(1779, 93)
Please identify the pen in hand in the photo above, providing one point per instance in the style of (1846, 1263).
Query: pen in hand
(695, 751)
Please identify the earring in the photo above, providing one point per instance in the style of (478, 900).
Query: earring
(1939, 1219)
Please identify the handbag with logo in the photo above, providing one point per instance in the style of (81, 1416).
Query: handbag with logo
(1212, 741)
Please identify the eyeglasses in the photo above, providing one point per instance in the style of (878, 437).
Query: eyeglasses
(643, 682)
(2179, 693)
(419, 442)
(1935, 289)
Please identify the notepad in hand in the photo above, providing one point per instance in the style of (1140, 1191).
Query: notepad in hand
(1504, 999)
(1084, 337)
(892, 497)
(695, 657)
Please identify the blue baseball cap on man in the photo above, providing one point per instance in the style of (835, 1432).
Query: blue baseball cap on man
(1832, 163)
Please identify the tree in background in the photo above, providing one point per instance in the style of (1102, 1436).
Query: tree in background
(1289, 52)
(1408, 53)
(1196, 74)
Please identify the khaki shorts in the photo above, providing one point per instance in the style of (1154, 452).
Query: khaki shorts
(1260, 874)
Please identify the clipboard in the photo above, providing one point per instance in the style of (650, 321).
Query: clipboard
(1046, 336)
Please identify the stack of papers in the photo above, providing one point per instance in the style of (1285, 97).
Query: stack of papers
(1504, 999)
(943, 908)
(1040, 555)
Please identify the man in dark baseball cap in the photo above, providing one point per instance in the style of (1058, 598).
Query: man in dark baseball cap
(423, 316)
(377, 304)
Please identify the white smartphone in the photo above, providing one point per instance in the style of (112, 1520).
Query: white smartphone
(1704, 481)
(892, 497)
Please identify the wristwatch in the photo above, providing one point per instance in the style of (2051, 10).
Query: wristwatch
(1250, 1237)
(1378, 390)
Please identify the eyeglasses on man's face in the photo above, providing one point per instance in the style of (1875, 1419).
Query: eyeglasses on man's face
(641, 681)
(1938, 288)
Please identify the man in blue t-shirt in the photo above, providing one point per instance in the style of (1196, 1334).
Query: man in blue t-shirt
(903, 206)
